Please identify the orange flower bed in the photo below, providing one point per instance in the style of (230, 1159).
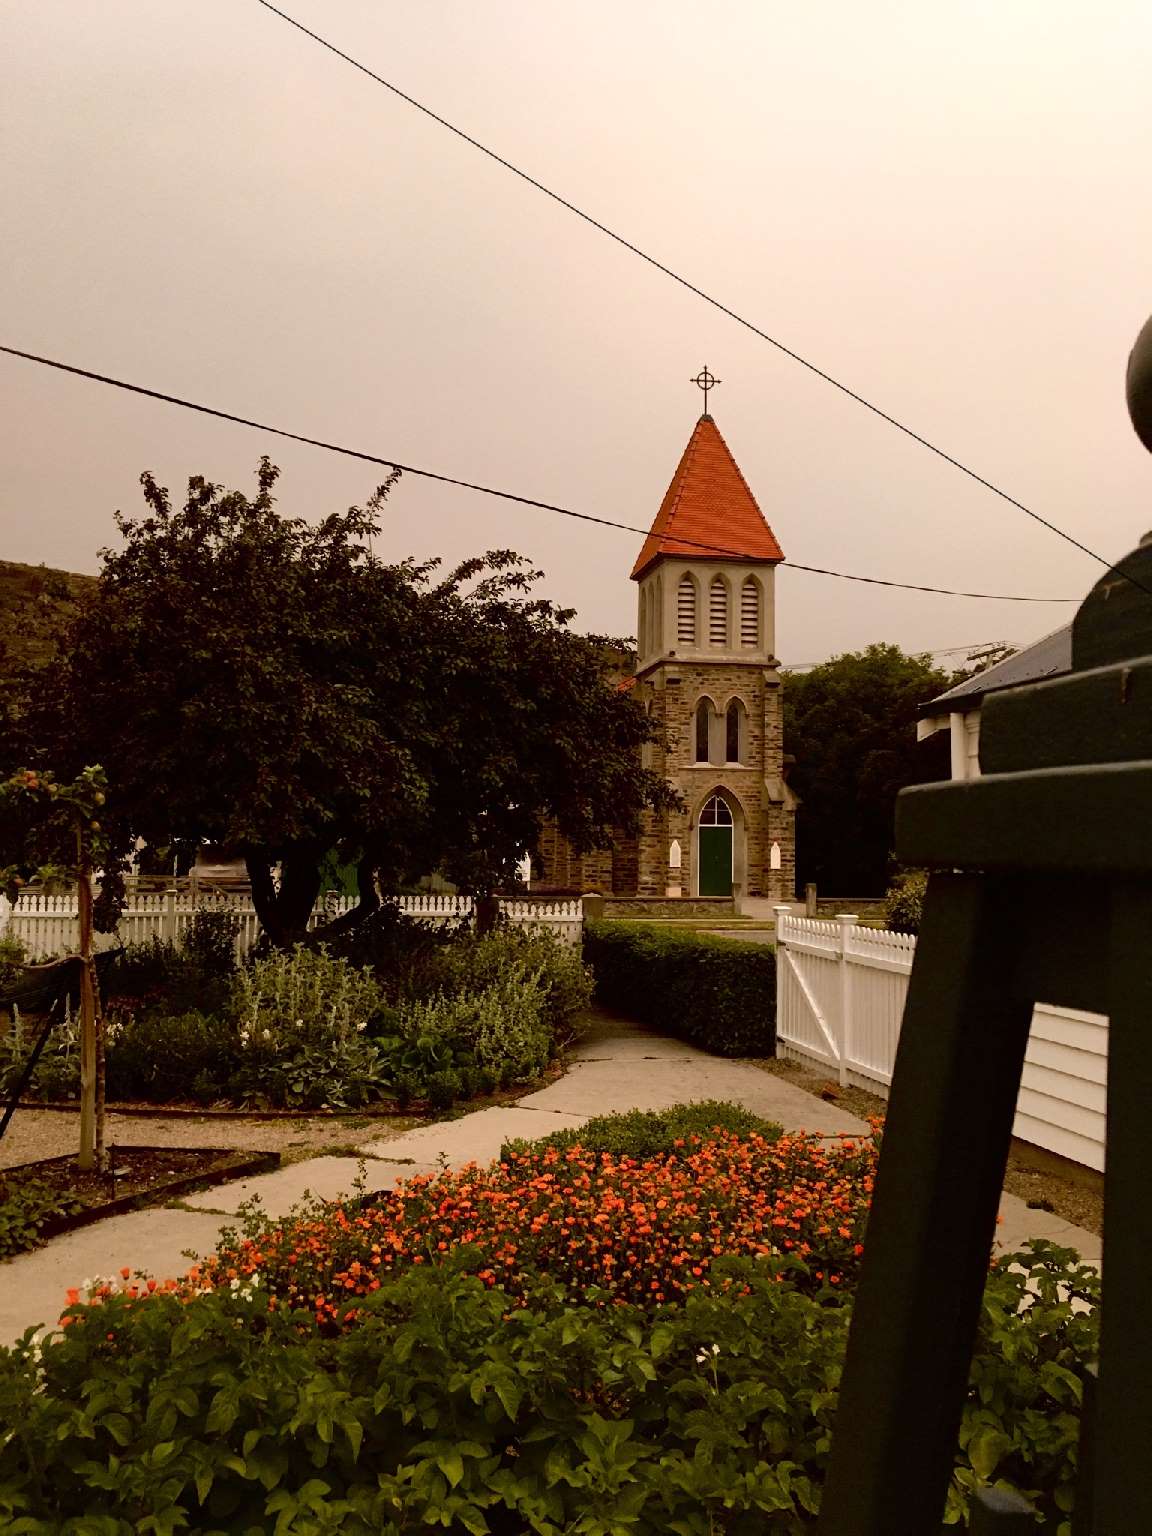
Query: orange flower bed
(608, 1229)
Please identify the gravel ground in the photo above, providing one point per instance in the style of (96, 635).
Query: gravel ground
(39, 1133)
(1078, 1201)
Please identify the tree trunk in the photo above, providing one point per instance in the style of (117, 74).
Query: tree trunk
(284, 908)
(86, 1159)
(487, 913)
(368, 903)
(102, 1162)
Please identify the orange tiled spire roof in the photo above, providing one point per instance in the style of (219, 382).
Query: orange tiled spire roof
(708, 504)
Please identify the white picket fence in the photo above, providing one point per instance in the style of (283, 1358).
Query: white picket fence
(46, 925)
(840, 993)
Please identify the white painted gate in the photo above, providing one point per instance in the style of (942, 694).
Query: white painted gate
(840, 993)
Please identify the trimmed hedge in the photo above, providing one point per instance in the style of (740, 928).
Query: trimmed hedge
(718, 993)
(649, 1133)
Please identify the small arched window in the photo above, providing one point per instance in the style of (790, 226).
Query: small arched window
(750, 612)
(642, 632)
(717, 813)
(686, 610)
(718, 611)
(703, 730)
(735, 732)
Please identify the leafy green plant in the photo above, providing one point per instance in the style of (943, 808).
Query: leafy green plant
(57, 1073)
(718, 993)
(303, 1018)
(147, 971)
(449, 1406)
(502, 1028)
(209, 945)
(645, 1134)
(904, 903)
(471, 964)
(306, 989)
(162, 1058)
(12, 960)
(26, 1208)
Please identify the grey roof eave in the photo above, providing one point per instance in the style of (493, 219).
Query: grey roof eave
(1050, 656)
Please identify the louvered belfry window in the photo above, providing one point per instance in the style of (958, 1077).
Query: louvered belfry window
(686, 610)
(750, 612)
(718, 611)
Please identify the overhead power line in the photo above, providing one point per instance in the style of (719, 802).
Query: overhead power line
(484, 490)
(684, 282)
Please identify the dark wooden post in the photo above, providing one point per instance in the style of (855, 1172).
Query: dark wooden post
(1064, 804)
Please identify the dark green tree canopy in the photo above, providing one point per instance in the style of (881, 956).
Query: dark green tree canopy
(851, 726)
(267, 683)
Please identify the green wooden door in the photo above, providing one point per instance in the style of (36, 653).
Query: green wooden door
(715, 861)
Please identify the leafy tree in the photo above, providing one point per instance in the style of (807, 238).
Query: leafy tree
(268, 684)
(850, 723)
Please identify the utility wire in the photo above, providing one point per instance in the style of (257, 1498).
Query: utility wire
(487, 490)
(684, 282)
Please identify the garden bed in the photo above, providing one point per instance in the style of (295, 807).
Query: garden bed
(138, 1175)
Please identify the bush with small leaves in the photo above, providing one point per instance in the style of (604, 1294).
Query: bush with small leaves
(904, 903)
(718, 993)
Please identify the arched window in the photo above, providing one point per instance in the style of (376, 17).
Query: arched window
(717, 813)
(703, 730)
(686, 610)
(642, 630)
(750, 612)
(718, 611)
(735, 732)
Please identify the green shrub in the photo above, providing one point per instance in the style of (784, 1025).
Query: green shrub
(718, 993)
(57, 1073)
(303, 1019)
(12, 960)
(210, 942)
(402, 952)
(647, 1133)
(160, 974)
(162, 1058)
(147, 970)
(306, 989)
(471, 964)
(502, 1029)
(449, 1406)
(25, 1210)
(904, 903)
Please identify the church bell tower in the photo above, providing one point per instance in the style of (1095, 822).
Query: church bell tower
(707, 674)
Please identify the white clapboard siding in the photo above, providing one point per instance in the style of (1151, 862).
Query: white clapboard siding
(840, 1002)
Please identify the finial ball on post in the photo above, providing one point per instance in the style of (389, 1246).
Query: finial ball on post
(1139, 385)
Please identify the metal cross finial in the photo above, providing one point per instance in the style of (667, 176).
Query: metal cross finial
(705, 381)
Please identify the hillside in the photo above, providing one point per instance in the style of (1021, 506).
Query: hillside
(35, 605)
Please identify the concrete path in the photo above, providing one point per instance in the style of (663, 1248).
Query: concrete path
(617, 1066)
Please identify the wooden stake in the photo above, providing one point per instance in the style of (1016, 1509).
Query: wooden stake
(86, 1160)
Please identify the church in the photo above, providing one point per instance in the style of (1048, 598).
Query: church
(706, 673)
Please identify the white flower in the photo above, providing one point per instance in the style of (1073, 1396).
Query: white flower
(267, 1034)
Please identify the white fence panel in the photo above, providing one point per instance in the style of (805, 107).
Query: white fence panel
(47, 925)
(840, 1001)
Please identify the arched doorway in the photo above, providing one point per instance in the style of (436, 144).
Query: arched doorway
(715, 848)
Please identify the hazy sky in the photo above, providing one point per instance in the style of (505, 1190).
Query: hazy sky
(946, 206)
